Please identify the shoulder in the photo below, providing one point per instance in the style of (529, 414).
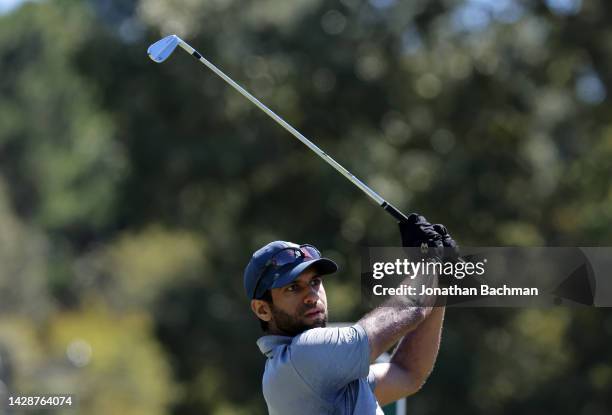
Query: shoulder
(330, 358)
(330, 336)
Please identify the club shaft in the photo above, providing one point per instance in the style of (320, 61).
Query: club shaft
(393, 211)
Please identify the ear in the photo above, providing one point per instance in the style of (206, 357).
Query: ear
(261, 309)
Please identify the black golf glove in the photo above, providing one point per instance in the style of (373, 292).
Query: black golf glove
(418, 232)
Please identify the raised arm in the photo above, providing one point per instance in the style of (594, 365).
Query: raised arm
(418, 329)
(387, 324)
(418, 350)
(412, 361)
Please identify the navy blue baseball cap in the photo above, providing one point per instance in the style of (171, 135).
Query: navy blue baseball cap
(259, 275)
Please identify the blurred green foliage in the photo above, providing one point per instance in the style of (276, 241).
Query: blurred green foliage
(132, 194)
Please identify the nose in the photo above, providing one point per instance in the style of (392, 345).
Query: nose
(312, 296)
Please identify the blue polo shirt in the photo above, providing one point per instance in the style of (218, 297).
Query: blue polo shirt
(320, 371)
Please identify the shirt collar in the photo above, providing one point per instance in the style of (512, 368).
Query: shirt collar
(267, 344)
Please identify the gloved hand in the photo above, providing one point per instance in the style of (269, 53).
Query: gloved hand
(447, 240)
(418, 232)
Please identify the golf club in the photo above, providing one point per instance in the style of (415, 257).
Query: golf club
(163, 48)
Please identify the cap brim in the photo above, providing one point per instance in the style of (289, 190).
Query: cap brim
(324, 266)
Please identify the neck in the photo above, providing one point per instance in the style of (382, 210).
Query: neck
(275, 331)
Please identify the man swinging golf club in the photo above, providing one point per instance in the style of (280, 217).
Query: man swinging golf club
(313, 369)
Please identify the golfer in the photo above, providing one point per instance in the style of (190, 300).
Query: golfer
(313, 369)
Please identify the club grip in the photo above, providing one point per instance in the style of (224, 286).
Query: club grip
(393, 211)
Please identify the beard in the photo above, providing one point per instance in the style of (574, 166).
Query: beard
(295, 324)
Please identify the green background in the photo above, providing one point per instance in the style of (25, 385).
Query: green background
(132, 194)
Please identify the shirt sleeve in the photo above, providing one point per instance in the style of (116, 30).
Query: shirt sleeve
(372, 379)
(330, 358)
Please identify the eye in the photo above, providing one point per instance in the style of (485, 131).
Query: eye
(316, 281)
(292, 287)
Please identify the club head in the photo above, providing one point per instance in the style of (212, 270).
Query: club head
(160, 50)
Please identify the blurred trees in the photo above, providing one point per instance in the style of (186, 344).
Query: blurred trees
(132, 194)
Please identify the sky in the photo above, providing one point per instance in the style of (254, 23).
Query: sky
(9, 5)
(559, 6)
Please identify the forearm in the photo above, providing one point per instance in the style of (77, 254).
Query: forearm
(397, 317)
(386, 325)
(417, 351)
